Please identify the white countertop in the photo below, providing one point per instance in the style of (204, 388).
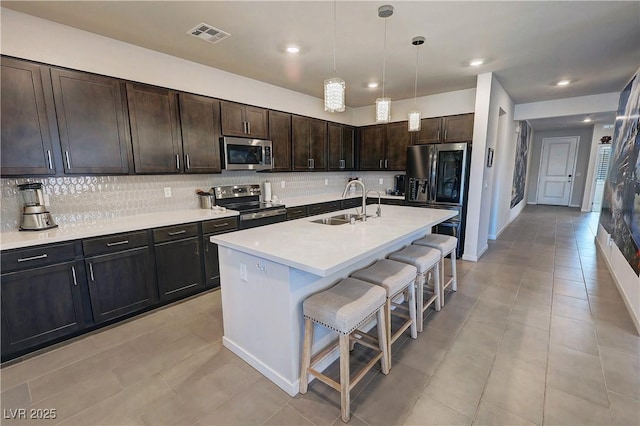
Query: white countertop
(325, 249)
(68, 232)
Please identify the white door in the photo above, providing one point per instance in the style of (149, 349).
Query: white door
(556, 170)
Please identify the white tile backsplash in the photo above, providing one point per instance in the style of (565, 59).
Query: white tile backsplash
(75, 199)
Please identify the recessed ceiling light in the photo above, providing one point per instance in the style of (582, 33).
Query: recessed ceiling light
(586, 120)
(563, 83)
(372, 85)
(476, 62)
(293, 49)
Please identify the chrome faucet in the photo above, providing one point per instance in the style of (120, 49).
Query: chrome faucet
(364, 195)
(379, 209)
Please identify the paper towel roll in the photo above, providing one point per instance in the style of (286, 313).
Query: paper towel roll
(267, 191)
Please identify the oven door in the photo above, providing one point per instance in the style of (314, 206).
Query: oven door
(261, 218)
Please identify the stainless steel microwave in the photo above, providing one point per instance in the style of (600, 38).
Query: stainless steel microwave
(247, 154)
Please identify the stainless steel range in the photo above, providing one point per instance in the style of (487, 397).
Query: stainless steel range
(246, 200)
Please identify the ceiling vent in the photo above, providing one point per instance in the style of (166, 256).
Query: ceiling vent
(208, 33)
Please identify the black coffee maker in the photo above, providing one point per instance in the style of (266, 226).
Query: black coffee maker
(399, 181)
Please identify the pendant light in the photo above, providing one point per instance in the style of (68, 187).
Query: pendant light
(334, 88)
(383, 105)
(414, 116)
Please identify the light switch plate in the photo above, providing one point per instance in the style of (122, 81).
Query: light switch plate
(167, 191)
(381, 181)
(282, 184)
(243, 272)
(326, 182)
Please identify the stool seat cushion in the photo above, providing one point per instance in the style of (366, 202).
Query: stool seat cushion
(393, 276)
(444, 243)
(422, 257)
(345, 306)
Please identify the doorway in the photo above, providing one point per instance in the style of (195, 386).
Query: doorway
(557, 165)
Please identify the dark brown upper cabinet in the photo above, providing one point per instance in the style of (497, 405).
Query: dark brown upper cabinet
(200, 124)
(341, 147)
(452, 128)
(26, 141)
(244, 121)
(398, 138)
(280, 135)
(155, 132)
(93, 132)
(384, 146)
(309, 144)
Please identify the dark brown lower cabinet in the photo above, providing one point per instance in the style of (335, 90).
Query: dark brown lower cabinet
(179, 268)
(120, 283)
(40, 304)
(211, 263)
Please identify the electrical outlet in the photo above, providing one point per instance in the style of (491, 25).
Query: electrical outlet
(326, 182)
(282, 184)
(243, 272)
(381, 181)
(167, 192)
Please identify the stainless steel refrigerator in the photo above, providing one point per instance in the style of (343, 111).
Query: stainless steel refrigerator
(437, 176)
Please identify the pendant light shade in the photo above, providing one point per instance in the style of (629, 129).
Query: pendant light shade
(415, 118)
(383, 105)
(334, 88)
(383, 110)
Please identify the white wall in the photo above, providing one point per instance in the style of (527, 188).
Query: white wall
(604, 102)
(450, 103)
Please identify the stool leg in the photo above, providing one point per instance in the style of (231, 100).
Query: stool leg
(454, 283)
(385, 363)
(442, 278)
(420, 281)
(387, 327)
(345, 398)
(412, 310)
(306, 355)
(436, 288)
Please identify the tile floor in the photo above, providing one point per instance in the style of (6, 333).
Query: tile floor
(536, 334)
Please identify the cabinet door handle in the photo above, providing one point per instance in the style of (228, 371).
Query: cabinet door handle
(66, 155)
(27, 259)
(438, 134)
(309, 163)
(380, 166)
(342, 164)
(91, 272)
(386, 164)
(118, 243)
(445, 134)
(177, 162)
(248, 127)
(73, 273)
(49, 159)
(177, 232)
(220, 225)
(187, 162)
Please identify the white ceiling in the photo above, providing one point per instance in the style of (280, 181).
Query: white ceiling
(528, 45)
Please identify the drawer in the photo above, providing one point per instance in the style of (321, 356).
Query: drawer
(321, 208)
(115, 242)
(296, 212)
(176, 232)
(352, 202)
(33, 257)
(220, 225)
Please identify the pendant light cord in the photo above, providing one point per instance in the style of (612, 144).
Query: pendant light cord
(415, 88)
(334, 37)
(384, 55)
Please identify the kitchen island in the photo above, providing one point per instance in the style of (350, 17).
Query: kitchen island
(266, 273)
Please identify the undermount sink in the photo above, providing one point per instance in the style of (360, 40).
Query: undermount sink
(340, 219)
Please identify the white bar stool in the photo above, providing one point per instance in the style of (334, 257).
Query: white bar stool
(447, 246)
(395, 278)
(343, 308)
(425, 259)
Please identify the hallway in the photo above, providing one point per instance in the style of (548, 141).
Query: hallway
(536, 334)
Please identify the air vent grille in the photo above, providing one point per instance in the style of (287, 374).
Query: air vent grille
(208, 33)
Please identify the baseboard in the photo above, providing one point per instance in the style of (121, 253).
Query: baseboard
(472, 258)
(574, 205)
(625, 298)
(532, 202)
